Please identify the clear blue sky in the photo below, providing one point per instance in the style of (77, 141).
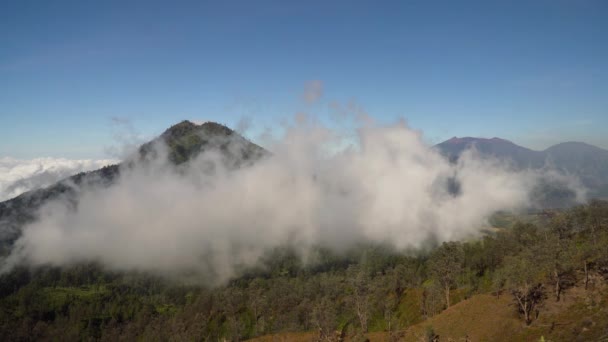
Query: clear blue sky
(535, 72)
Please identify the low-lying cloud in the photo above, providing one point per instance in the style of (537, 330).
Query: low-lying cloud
(20, 175)
(388, 188)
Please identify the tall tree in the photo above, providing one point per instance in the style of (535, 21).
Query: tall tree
(446, 264)
(522, 278)
(360, 283)
(559, 251)
(257, 302)
(324, 317)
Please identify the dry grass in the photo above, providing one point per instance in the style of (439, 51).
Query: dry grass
(581, 315)
(480, 318)
(284, 337)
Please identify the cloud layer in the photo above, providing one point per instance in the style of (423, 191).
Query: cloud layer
(205, 219)
(20, 175)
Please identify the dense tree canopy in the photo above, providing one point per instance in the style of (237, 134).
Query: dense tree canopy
(369, 288)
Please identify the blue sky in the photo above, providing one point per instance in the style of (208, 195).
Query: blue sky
(534, 72)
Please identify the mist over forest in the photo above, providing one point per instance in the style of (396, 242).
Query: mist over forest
(177, 207)
(386, 232)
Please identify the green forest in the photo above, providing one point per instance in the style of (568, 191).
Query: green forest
(370, 291)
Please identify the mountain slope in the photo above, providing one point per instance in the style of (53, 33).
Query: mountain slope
(183, 141)
(590, 163)
(581, 316)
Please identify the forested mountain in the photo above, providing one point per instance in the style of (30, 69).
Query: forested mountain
(184, 141)
(587, 162)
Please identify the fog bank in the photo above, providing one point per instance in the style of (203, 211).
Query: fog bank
(203, 218)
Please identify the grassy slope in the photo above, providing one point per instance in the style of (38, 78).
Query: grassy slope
(284, 337)
(481, 318)
(580, 316)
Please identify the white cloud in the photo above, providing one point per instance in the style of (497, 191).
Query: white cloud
(20, 175)
(203, 219)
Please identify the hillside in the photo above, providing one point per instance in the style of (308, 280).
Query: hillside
(581, 316)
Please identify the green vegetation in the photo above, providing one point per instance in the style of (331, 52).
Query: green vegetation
(186, 140)
(526, 274)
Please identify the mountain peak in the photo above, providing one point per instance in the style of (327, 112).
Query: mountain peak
(496, 147)
(501, 139)
(178, 129)
(187, 127)
(186, 140)
(469, 140)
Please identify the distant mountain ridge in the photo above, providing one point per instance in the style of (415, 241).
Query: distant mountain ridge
(588, 162)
